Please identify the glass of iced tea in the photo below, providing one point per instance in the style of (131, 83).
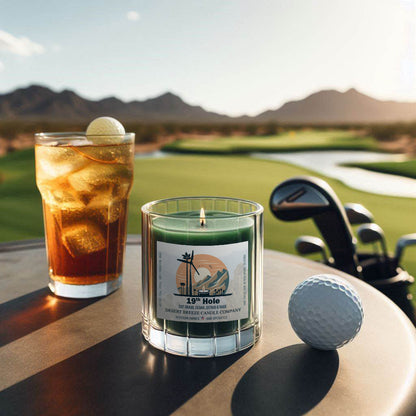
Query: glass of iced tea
(85, 182)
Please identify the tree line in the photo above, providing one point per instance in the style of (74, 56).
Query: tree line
(152, 132)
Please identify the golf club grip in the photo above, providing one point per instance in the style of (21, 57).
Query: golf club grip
(339, 240)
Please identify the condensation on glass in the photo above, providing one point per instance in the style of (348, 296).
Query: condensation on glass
(85, 183)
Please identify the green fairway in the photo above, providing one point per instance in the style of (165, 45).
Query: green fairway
(285, 142)
(20, 203)
(237, 176)
(405, 168)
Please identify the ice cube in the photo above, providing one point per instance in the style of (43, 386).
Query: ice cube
(111, 213)
(83, 238)
(59, 193)
(57, 161)
(67, 200)
(108, 154)
(107, 206)
(102, 199)
(98, 176)
(121, 190)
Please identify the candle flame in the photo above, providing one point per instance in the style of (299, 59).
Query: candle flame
(202, 217)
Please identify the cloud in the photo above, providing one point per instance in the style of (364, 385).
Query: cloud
(133, 16)
(20, 46)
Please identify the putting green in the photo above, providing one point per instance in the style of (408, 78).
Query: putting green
(180, 175)
(285, 142)
(404, 168)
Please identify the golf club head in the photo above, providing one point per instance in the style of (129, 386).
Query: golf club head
(295, 200)
(403, 242)
(306, 197)
(358, 214)
(307, 244)
(370, 233)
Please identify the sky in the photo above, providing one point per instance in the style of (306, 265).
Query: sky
(229, 56)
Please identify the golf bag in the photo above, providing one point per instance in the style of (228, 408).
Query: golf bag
(309, 197)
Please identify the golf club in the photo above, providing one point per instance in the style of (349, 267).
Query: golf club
(403, 242)
(373, 233)
(358, 214)
(308, 197)
(307, 244)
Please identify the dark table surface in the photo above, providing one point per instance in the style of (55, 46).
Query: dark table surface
(87, 357)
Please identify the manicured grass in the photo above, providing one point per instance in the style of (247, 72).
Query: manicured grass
(180, 175)
(405, 168)
(285, 142)
(20, 202)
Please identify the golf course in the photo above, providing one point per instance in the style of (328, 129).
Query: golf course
(197, 174)
(288, 141)
(405, 168)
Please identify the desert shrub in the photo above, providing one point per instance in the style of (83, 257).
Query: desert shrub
(149, 134)
(170, 128)
(251, 129)
(206, 128)
(9, 129)
(385, 132)
(270, 129)
(225, 129)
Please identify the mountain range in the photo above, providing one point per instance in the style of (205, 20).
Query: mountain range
(326, 106)
(39, 102)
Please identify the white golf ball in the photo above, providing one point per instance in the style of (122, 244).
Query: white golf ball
(325, 311)
(105, 126)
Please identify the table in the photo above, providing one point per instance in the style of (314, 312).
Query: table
(88, 357)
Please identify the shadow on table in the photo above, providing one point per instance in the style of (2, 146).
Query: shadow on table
(122, 375)
(30, 312)
(289, 381)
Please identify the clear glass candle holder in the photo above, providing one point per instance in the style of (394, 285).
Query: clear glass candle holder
(202, 272)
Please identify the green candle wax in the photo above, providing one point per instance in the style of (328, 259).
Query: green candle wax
(220, 232)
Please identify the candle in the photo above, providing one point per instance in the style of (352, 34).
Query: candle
(200, 279)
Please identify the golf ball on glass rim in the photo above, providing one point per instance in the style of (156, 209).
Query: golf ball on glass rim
(105, 126)
(325, 311)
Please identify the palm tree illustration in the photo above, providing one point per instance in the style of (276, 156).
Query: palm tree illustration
(188, 260)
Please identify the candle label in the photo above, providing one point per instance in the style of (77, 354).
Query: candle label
(202, 283)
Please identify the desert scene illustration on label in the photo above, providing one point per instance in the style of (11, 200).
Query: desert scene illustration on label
(202, 283)
(201, 275)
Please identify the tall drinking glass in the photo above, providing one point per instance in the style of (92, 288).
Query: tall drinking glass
(85, 183)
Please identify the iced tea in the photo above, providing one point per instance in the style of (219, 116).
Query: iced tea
(84, 188)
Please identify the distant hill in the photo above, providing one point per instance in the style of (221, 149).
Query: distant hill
(328, 106)
(38, 102)
(331, 106)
